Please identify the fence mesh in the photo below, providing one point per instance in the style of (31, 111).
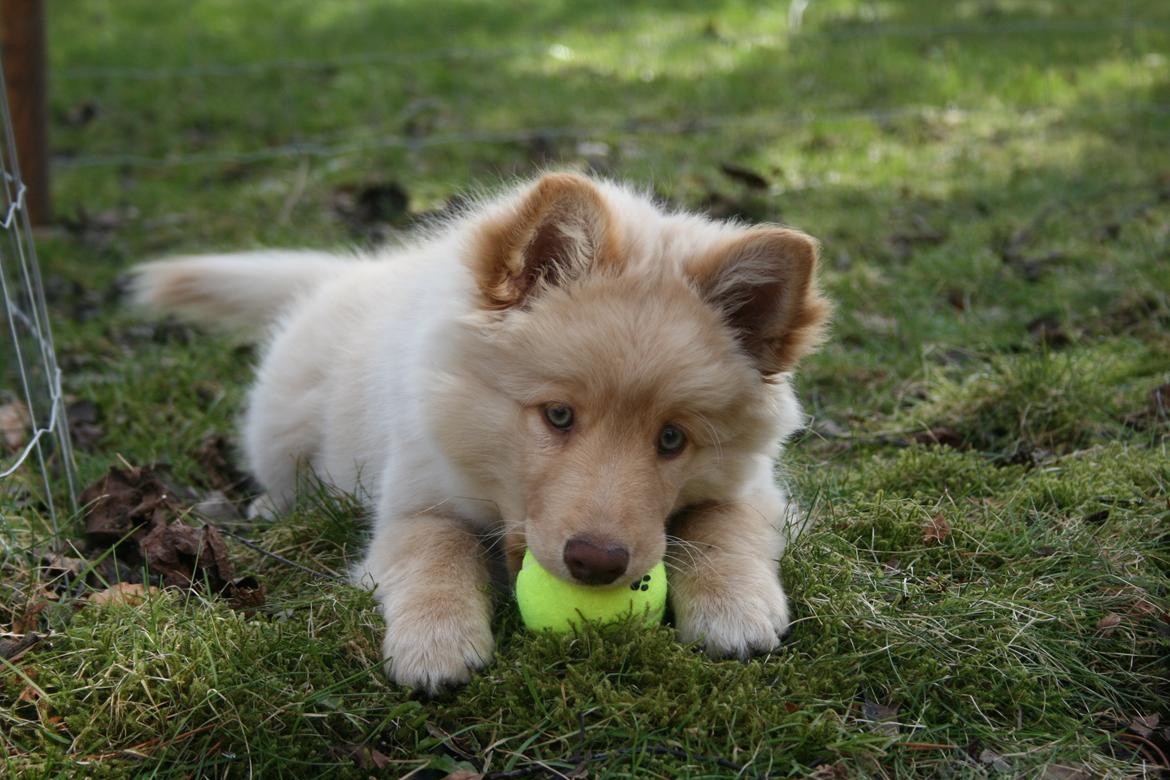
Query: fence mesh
(36, 462)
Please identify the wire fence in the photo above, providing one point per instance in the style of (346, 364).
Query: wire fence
(35, 454)
(341, 147)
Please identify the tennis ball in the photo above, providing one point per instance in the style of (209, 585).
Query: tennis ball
(549, 603)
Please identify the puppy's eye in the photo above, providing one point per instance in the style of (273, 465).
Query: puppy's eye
(559, 416)
(671, 441)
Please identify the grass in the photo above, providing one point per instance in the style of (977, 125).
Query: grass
(990, 183)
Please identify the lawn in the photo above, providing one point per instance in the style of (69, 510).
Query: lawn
(985, 590)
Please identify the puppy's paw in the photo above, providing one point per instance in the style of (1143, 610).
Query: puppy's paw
(437, 646)
(736, 618)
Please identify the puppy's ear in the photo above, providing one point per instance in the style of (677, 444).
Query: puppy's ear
(555, 232)
(764, 284)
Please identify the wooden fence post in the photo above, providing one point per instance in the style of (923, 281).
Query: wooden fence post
(22, 34)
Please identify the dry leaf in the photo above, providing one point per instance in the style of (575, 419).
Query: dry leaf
(1144, 725)
(940, 435)
(935, 530)
(85, 427)
(127, 593)
(29, 620)
(246, 594)
(138, 509)
(996, 761)
(56, 565)
(1110, 621)
(14, 424)
(364, 756)
(743, 175)
(881, 718)
(122, 501)
(184, 556)
(219, 472)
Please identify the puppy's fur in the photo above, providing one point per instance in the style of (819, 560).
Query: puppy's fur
(421, 377)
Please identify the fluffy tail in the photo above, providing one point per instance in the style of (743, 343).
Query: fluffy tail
(240, 291)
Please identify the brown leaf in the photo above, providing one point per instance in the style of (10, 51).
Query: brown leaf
(55, 565)
(184, 556)
(215, 455)
(936, 530)
(246, 594)
(749, 207)
(136, 506)
(371, 204)
(84, 424)
(1048, 331)
(940, 435)
(122, 501)
(959, 300)
(29, 693)
(364, 756)
(1109, 622)
(29, 620)
(997, 762)
(1144, 725)
(15, 422)
(1096, 518)
(122, 593)
(745, 176)
(881, 718)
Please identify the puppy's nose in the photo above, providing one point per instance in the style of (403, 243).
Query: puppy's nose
(595, 563)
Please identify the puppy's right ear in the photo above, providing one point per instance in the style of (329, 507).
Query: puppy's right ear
(553, 233)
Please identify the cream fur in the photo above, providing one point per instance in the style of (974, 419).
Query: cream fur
(417, 376)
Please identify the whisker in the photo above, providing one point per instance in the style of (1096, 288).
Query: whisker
(714, 437)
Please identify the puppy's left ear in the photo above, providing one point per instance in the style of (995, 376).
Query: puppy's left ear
(764, 284)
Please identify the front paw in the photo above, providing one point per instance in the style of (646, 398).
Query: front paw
(434, 646)
(734, 618)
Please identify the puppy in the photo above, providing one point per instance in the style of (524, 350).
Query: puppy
(568, 367)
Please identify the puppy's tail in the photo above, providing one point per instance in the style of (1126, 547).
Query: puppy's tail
(242, 292)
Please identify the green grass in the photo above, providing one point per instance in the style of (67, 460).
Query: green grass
(990, 183)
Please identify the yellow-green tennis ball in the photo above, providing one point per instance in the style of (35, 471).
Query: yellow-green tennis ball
(549, 603)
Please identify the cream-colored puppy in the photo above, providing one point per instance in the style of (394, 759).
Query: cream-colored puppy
(567, 367)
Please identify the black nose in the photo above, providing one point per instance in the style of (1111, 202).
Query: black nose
(595, 563)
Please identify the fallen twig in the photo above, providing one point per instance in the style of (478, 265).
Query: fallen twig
(280, 558)
(11, 649)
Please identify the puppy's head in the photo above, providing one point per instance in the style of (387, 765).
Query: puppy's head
(622, 364)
